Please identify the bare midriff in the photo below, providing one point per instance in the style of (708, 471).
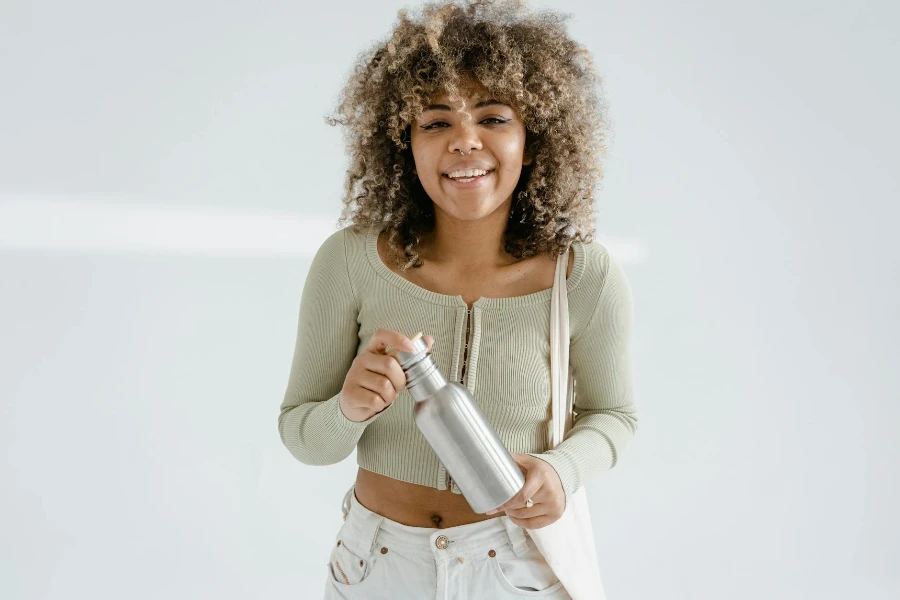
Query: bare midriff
(414, 505)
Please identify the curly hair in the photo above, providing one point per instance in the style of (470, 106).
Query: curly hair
(521, 58)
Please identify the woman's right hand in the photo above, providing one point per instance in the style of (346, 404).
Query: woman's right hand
(375, 379)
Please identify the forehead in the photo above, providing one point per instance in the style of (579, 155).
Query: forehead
(471, 90)
(472, 95)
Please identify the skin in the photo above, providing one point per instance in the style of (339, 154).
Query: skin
(464, 256)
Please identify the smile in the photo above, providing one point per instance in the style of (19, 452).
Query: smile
(471, 176)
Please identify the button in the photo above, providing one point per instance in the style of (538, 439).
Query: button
(492, 554)
(384, 551)
(442, 542)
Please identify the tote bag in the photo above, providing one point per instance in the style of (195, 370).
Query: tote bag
(568, 543)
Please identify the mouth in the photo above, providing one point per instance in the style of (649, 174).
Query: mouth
(472, 176)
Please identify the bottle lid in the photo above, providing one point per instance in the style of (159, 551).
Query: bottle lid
(407, 359)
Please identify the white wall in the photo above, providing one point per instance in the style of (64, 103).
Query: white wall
(166, 173)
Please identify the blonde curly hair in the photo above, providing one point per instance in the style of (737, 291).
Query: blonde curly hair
(521, 58)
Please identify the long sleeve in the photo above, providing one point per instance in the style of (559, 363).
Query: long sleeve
(311, 423)
(605, 415)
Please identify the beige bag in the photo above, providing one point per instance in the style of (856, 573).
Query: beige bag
(567, 544)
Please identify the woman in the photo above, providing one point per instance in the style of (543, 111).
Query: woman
(475, 133)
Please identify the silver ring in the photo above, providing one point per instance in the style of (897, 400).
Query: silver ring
(529, 503)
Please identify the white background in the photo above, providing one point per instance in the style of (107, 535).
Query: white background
(166, 175)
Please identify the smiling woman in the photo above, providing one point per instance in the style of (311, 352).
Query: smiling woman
(462, 186)
(435, 70)
(475, 134)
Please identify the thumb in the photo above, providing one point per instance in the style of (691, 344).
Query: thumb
(523, 460)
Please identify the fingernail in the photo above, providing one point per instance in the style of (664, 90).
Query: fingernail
(491, 512)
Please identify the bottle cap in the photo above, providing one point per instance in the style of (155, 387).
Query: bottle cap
(407, 359)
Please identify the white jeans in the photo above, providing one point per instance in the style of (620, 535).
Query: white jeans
(376, 558)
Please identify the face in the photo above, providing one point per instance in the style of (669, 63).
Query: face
(469, 162)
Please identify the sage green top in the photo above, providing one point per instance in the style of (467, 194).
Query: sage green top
(349, 293)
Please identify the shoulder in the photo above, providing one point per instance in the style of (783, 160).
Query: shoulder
(593, 267)
(603, 289)
(336, 266)
(600, 265)
(345, 244)
(344, 260)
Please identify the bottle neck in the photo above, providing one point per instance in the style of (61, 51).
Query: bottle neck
(423, 379)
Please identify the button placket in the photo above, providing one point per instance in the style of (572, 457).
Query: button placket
(460, 342)
(473, 342)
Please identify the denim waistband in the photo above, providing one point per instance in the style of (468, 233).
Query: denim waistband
(471, 539)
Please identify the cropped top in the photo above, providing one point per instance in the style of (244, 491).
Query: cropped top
(349, 293)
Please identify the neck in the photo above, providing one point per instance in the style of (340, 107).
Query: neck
(469, 244)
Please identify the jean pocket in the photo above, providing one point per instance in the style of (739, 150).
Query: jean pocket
(348, 567)
(528, 575)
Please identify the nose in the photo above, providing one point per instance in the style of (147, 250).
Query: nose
(465, 138)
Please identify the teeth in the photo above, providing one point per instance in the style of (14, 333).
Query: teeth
(467, 173)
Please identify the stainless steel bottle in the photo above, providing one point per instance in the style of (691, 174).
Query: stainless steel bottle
(462, 438)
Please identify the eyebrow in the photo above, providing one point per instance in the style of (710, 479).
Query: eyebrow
(481, 104)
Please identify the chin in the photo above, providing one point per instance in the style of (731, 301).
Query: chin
(470, 215)
(471, 211)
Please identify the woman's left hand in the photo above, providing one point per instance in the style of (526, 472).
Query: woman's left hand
(543, 487)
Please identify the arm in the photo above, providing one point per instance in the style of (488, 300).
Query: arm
(605, 415)
(311, 423)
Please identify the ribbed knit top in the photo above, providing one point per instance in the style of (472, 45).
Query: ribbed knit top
(350, 293)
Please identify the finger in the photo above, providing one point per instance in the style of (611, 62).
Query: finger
(430, 341)
(394, 350)
(383, 338)
(537, 510)
(529, 490)
(523, 460)
(534, 523)
(386, 367)
(533, 482)
(362, 398)
(378, 383)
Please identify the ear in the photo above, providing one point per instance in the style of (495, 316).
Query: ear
(526, 159)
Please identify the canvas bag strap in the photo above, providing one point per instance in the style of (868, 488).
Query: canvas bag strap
(559, 351)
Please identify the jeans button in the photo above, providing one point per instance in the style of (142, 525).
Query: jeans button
(442, 542)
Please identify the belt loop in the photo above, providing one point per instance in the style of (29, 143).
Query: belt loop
(364, 524)
(345, 505)
(368, 530)
(516, 536)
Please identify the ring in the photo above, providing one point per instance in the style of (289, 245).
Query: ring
(529, 503)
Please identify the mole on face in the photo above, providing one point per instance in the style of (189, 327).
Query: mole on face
(436, 519)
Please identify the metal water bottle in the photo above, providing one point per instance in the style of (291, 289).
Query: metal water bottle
(462, 438)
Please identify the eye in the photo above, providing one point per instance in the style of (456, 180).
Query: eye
(441, 124)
